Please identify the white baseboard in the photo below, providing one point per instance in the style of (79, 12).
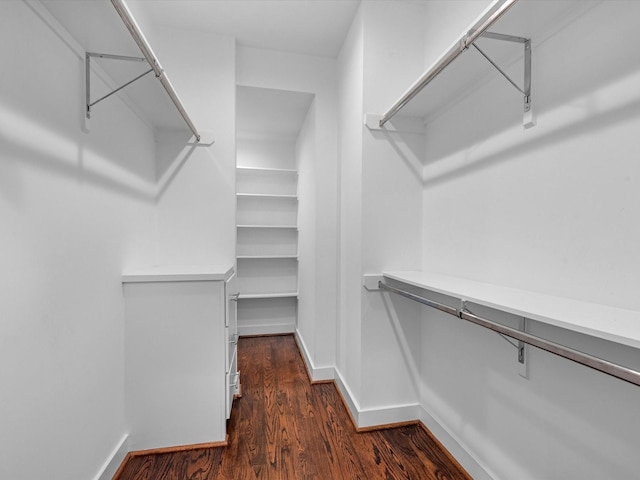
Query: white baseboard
(451, 443)
(367, 418)
(348, 397)
(388, 415)
(375, 417)
(248, 330)
(114, 460)
(318, 374)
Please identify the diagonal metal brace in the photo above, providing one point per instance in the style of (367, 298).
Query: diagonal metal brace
(88, 56)
(526, 90)
(519, 345)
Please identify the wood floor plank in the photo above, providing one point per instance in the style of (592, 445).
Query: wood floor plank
(285, 428)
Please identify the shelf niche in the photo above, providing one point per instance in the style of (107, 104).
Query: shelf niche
(269, 122)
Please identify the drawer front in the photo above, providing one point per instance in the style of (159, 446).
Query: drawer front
(233, 387)
(232, 352)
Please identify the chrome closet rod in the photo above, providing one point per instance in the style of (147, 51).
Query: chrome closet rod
(461, 45)
(604, 366)
(145, 48)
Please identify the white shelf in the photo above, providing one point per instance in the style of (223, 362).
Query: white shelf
(601, 321)
(267, 257)
(276, 182)
(267, 195)
(267, 242)
(178, 273)
(267, 316)
(292, 227)
(267, 170)
(254, 296)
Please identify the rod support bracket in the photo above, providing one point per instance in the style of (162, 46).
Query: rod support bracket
(528, 119)
(463, 307)
(87, 73)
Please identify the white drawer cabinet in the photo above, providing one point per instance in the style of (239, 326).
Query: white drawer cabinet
(178, 355)
(231, 328)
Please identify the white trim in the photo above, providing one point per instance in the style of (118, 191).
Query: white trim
(352, 403)
(372, 417)
(114, 460)
(456, 448)
(318, 374)
(266, 329)
(394, 414)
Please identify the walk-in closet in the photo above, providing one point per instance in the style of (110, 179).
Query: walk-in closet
(336, 239)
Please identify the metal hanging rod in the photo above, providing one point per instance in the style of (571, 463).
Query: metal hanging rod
(499, 9)
(604, 366)
(145, 48)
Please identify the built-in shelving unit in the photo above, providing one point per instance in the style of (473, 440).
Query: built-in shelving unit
(267, 250)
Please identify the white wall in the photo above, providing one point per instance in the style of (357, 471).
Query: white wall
(552, 209)
(196, 217)
(266, 152)
(316, 75)
(307, 164)
(350, 98)
(380, 212)
(75, 208)
(391, 203)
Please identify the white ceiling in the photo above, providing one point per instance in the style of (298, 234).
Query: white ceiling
(310, 27)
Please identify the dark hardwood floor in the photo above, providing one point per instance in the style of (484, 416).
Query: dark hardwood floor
(285, 428)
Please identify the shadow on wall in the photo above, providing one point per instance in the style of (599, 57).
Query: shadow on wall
(27, 142)
(402, 315)
(173, 149)
(42, 123)
(570, 69)
(405, 135)
(588, 124)
(562, 419)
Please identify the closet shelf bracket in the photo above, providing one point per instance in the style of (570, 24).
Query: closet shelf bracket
(88, 56)
(526, 90)
(519, 345)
